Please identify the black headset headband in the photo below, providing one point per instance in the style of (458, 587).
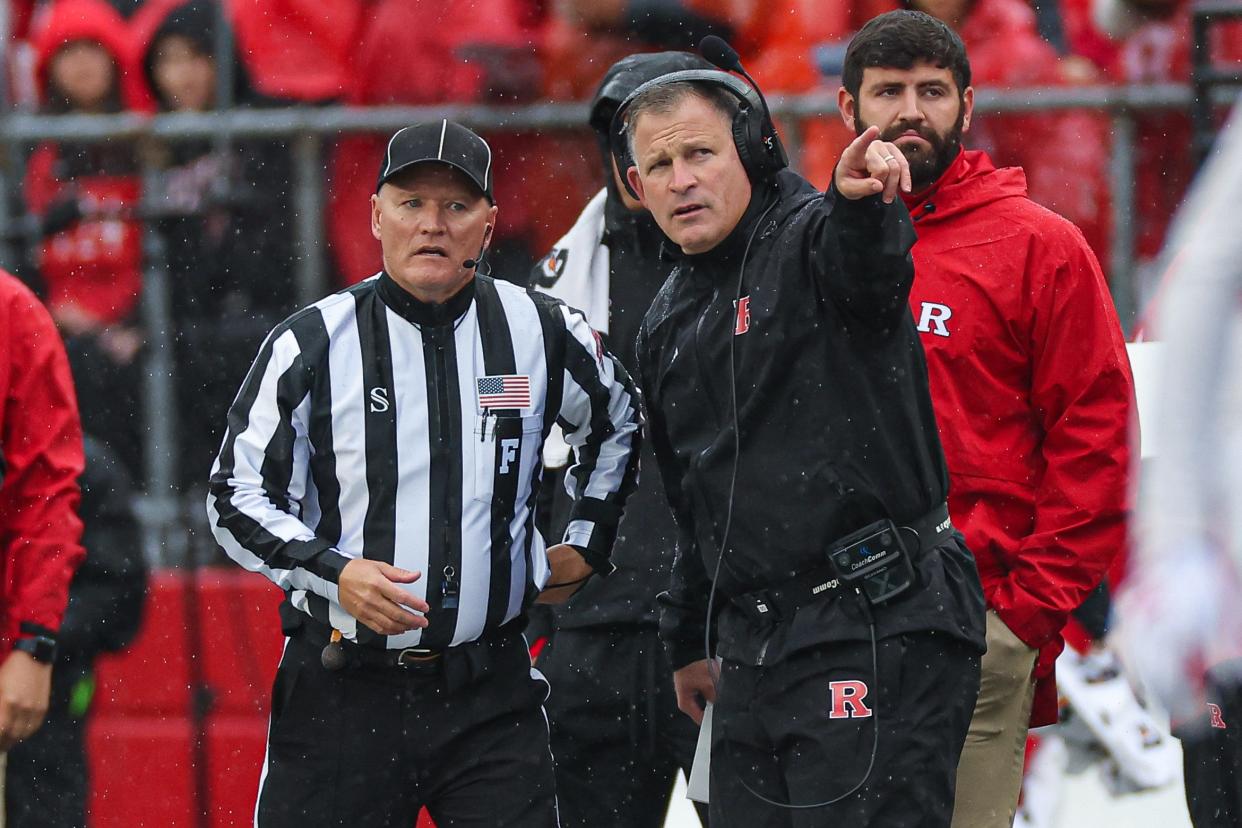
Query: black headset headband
(740, 89)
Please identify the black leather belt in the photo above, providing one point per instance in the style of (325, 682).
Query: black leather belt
(769, 605)
(416, 659)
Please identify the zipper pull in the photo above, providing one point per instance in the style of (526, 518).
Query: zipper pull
(483, 431)
(449, 588)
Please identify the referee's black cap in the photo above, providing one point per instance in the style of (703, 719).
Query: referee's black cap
(445, 142)
(631, 72)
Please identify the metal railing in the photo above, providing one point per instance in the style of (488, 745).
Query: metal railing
(309, 128)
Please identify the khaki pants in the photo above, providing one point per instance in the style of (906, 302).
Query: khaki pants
(989, 774)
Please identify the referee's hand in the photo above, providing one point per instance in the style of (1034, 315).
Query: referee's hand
(369, 592)
(569, 573)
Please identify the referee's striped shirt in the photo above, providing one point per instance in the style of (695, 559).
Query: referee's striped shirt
(373, 425)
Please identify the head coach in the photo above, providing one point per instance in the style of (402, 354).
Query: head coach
(788, 407)
(380, 465)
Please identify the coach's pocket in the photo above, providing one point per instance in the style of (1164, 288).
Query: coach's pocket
(506, 453)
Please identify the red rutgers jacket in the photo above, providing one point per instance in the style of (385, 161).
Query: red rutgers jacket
(1033, 395)
(40, 460)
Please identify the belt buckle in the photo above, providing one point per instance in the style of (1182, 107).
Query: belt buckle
(416, 657)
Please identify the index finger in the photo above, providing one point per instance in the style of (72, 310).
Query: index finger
(855, 155)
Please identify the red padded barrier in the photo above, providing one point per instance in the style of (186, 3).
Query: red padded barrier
(235, 748)
(152, 676)
(241, 647)
(140, 741)
(140, 770)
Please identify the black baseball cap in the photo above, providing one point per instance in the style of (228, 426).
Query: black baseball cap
(443, 141)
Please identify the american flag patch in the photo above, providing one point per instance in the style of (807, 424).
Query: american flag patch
(504, 391)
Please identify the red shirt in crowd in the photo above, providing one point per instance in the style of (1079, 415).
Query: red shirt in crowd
(1065, 154)
(419, 52)
(95, 264)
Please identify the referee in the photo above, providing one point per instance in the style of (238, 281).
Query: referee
(380, 465)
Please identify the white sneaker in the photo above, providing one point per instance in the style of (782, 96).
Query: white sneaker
(1140, 750)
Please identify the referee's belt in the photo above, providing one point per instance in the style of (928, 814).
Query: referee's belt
(413, 659)
(782, 600)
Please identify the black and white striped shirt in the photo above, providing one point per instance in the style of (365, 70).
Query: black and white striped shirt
(374, 425)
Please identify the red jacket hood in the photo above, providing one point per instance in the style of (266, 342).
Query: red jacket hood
(68, 20)
(971, 181)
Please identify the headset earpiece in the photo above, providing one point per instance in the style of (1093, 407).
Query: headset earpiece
(747, 136)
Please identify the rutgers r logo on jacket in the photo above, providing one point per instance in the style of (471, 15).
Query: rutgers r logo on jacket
(934, 318)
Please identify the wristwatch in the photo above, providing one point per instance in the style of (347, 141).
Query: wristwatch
(42, 648)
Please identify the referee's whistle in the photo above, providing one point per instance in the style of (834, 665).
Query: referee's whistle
(333, 655)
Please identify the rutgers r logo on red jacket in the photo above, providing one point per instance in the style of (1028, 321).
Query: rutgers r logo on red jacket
(847, 700)
(933, 319)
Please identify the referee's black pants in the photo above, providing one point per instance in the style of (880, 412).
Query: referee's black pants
(617, 735)
(369, 745)
(802, 731)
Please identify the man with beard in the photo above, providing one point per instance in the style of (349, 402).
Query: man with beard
(788, 407)
(1029, 379)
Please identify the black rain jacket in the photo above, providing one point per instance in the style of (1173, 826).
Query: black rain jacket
(836, 421)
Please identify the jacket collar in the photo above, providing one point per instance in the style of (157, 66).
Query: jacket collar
(971, 181)
(421, 313)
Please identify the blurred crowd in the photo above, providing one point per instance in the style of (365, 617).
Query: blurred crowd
(224, 211)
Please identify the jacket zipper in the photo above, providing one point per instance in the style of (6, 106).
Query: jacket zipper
(698, 357)
(450, 581)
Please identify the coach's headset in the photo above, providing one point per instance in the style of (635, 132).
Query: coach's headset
(754, 134)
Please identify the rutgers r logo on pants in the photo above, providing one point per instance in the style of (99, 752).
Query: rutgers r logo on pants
(847, 700)
(933, 319)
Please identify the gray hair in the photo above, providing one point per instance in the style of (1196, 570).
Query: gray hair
(664, 98)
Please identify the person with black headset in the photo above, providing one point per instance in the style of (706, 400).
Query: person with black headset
(787, 402)
(610, 264)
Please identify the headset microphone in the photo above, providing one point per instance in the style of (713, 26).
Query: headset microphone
(723, 56)
(478, 257)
